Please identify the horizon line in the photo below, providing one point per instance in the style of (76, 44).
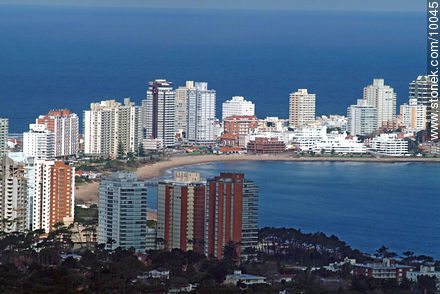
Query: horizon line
(80, 5)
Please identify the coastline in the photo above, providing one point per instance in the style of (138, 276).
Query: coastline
(89, 192)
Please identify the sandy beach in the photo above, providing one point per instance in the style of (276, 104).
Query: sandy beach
(89, 192)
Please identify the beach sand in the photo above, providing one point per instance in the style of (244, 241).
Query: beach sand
(89, 192)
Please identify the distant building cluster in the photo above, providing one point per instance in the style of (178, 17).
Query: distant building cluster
(38, 183)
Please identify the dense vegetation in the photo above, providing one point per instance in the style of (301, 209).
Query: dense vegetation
(31, 264)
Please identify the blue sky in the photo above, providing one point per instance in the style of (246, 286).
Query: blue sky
(341, 5)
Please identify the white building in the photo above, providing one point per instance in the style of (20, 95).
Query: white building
(306, 138)
(383, 98)
(4, 126)
(109, 126)
(65, 126)
(237, 106)
(272, 124)
(158, 112)
(340, 144)
(333, 121)
(151, 144)
(301, 108)
(424, 271)
(246, 279)
(39, 142)
(201, 114)
(361, 118)
(413, 115)
(390, 145)
(180, 116)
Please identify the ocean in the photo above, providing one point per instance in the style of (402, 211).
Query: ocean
(64, 57)
(364, 204)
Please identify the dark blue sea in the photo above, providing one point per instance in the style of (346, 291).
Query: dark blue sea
(365, 204)
(68, 57)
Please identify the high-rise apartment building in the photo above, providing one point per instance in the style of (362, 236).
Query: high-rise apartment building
(231, 214)
(65, 126)
(181, 212)
(39, 142)
(413, 115)
(13, 193)
(180, 116)
(4, 127)
(383, 98)
(122, 212)
(201, 114)
(301, 108)
(53, 194)
(237, 106)
(110, 127)
(420, 90)
(159, 112)
(361, 118)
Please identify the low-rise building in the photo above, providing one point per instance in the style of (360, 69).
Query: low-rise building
(424, 271)
(340, 144)
(151, 144)
(246, 279)
(389, 145)
(306, 138)
(229, 139)
(272, 124)
(265, 145)
(388, 269)
(229, 150)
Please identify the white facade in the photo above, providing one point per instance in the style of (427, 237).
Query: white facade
(361, 118)
(109, 124)
(390, 145)
(65, 126)
(424, 271)
(180, 115)
(237, 106)
(306, 138)
(151, 144)
(301, 108)
(332, 121)
(340, 144)
(4, 126)
(39, 142)
(383, 98)
(159, 112)
(201, 114)
(413, 115)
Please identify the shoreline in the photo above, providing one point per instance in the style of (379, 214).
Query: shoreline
(89, 192)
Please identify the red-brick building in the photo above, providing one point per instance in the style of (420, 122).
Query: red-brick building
(388, 269)
(266, 145)
(181, 212)
(232, 214)
(240, 124)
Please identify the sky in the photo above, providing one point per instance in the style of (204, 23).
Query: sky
(334, 5)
